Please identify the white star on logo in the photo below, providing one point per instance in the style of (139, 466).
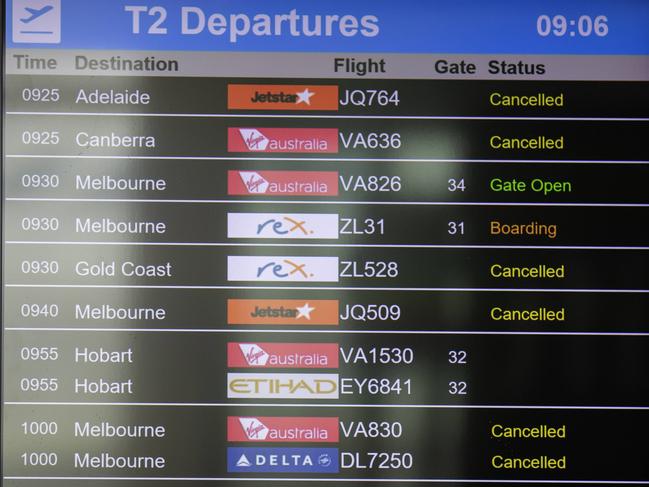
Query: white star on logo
(304, 96)
(304, 311)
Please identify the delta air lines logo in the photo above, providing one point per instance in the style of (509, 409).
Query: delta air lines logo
(278, 225)
(283, 460)
(282, 97)
(282, 268)
(298, 140)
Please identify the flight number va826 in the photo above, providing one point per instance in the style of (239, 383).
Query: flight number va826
(371, 184)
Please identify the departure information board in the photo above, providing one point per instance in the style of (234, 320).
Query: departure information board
(284, 243)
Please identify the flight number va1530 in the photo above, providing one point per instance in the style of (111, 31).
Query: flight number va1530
(377, 355)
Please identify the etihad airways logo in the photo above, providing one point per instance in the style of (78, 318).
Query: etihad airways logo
(282, 312)
(283, 355)
(300, 140)
(282, 97)
(283, 429)
(282, 268)
(282, 225)
(283, 183)
(272, 460)
(282, 386)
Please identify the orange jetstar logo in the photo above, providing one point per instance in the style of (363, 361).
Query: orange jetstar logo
(283, 312)
(282, 97)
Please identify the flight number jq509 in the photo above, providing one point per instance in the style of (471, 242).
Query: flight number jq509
(371, 312)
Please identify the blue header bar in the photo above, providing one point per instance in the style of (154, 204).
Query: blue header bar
(386, 26)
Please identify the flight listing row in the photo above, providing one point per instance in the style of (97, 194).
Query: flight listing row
(547, 182)
(195, 136)
(361, 311)
(323, 442)
(331, 98)
(354, 267)
(304, 225)
(386, 369)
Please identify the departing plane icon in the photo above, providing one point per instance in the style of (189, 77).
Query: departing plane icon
(36, 13)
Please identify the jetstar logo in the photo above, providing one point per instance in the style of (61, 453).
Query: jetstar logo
(282, 268)
(283, 355)
(278, 460)
(282, 97)
(283, 429)
(282, 386)
(282, 312)
(278, 225)
(299, 140)
(283, 183)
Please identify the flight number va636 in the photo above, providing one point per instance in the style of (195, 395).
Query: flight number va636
(370, 140)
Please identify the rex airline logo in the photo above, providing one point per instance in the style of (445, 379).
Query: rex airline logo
(282, 268)
(283, 429)
(282, 97)
(282, 312)
(282, 225)
(283, 355)
(282, 386)
(298, 140)
(283, 183)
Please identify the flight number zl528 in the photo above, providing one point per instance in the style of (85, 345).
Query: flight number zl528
(370, 269)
